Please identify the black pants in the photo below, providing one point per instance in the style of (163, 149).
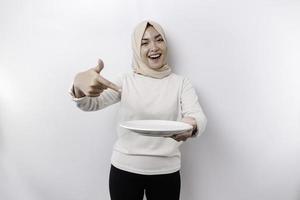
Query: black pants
(125, 185)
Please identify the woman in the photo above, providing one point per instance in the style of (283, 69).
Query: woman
(142, 164)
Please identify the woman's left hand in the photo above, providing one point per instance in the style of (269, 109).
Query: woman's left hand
(184, 136)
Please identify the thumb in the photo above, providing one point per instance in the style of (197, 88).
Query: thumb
(100, 66)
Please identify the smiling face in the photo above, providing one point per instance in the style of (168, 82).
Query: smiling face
(153, 48)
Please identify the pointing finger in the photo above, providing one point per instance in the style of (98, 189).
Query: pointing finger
(109, 84)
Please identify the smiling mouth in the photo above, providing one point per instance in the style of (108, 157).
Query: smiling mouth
(155, 56)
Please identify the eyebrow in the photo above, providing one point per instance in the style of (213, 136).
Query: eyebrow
(154, 37)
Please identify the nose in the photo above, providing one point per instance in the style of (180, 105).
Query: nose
(153, 46)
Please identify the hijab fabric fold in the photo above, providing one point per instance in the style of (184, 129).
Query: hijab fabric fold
(138, 65)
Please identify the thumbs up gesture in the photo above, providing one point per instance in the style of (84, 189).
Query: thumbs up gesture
(91, 83)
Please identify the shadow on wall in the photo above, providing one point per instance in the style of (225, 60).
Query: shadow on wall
(2, 138)
(1, 129)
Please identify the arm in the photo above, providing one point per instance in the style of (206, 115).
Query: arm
(106, 98)
(190, 107)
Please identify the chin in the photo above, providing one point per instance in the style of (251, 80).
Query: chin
(155, 67)
(156, 64)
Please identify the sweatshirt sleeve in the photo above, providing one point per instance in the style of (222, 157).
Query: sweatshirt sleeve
(190, 106)
(106, 98)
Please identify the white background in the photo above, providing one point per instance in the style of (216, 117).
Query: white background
(243, 58)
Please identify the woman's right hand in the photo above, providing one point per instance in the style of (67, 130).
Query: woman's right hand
(91, 83)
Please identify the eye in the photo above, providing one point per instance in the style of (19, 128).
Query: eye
(160, 39)
(144, 42)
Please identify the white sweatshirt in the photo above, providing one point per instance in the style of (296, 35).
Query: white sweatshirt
(169, 98)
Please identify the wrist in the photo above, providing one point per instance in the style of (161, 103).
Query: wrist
(194, 132)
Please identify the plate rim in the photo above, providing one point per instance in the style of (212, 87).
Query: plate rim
(153, 130)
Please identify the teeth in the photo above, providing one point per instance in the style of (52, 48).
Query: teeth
(154, 56)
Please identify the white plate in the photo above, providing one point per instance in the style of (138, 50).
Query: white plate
(156, 127)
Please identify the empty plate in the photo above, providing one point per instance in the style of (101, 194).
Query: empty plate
(156, 127)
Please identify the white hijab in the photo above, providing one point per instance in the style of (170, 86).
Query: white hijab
(138, 65)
